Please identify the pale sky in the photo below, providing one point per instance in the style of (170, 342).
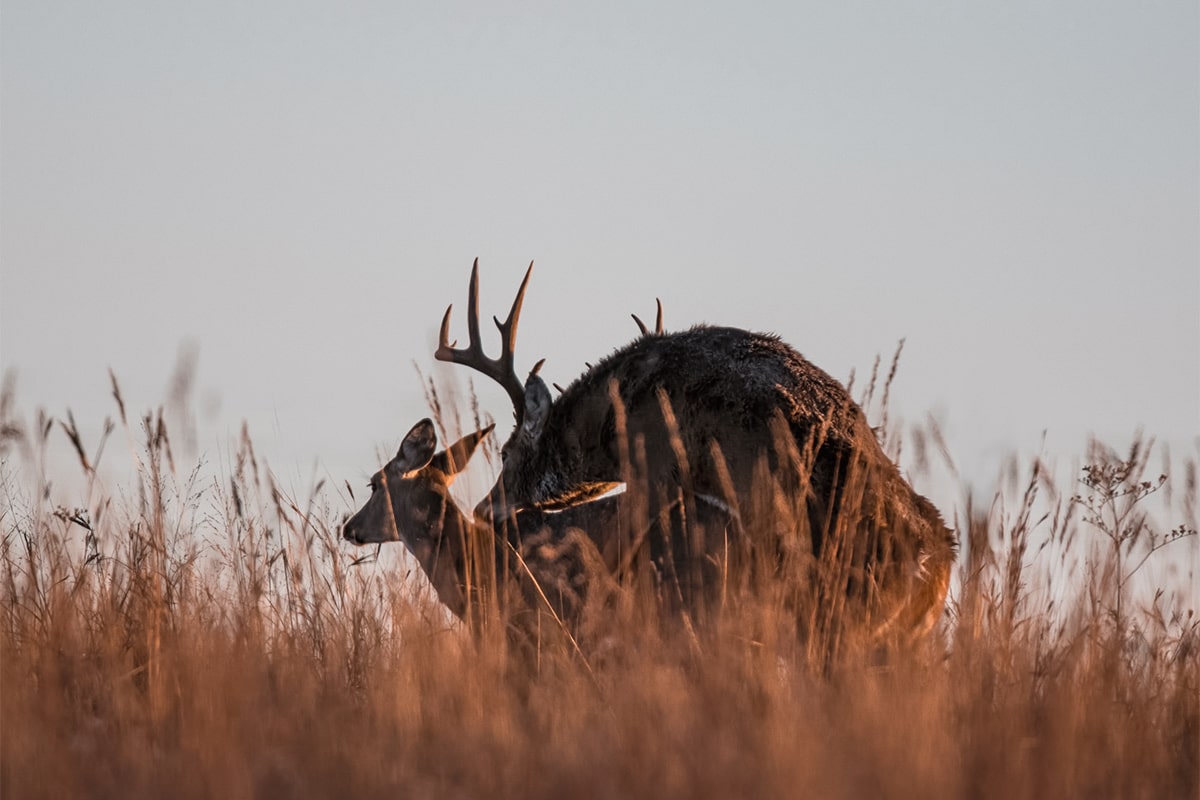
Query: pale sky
(298, 190)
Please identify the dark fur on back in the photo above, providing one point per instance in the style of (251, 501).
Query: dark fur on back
(752, 402)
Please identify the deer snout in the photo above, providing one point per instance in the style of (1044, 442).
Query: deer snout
(349, 530)
(355, 530)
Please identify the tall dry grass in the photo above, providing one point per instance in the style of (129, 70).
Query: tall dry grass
(189, 637)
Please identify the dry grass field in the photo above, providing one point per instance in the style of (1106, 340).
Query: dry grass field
(191, 637)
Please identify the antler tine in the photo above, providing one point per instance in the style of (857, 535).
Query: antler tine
(658, 324)
(444, 353)
(473, 308)
(498, 369)
(508, 328)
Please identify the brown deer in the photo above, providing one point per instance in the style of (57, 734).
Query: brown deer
(730, 419)
(555, 572)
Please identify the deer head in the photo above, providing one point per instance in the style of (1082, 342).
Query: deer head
(557, 568)
(410, 502)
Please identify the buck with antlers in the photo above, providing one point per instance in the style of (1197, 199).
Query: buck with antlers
(721, 418)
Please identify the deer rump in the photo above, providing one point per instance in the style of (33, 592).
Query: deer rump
(767, 455)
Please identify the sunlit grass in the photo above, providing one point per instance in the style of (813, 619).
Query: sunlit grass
(184, 636)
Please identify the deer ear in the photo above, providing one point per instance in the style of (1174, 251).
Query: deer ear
(417, 447)
(452, 460)
(537, 406)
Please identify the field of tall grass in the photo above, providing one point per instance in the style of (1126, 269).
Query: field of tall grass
(191, 636)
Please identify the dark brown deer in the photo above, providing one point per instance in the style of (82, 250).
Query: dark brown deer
(555, 571)
(730, 419)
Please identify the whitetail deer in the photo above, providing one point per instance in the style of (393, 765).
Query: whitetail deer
(555, 570)
(730, 419)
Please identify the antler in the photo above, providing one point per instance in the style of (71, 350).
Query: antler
(498, 369)
(658, 326)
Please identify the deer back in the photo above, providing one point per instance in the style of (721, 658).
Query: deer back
(739, 420)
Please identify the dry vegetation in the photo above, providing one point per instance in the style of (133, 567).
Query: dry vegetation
(186, 637)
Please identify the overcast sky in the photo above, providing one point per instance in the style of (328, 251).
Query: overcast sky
(298, 190)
